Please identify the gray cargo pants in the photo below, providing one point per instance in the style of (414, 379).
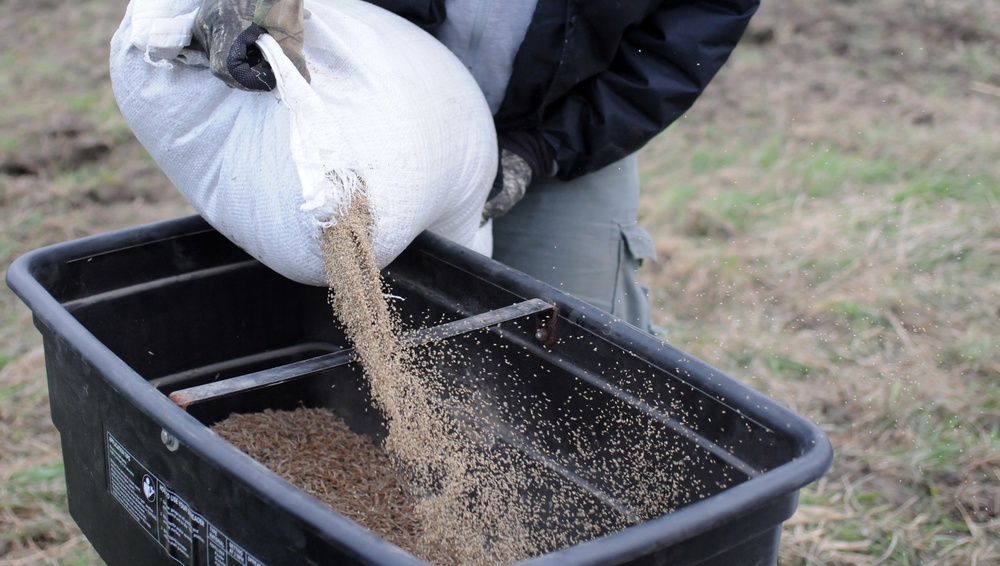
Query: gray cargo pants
(581, 236)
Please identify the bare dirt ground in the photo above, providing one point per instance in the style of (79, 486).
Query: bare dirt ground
(827, 225)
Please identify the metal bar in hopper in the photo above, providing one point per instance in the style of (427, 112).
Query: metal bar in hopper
(232, 366)
(288, 372)
(476, 322)
(259, 379)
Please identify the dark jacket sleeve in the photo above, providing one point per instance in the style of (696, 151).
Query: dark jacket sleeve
(428, 14)
(661, 67)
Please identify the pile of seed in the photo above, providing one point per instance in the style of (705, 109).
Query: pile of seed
(314, 450)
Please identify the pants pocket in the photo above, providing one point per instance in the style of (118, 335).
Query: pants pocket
(631, 298)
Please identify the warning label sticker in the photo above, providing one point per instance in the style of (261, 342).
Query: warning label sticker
(166, 517)
(133, 486)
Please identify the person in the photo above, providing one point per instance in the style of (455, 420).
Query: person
(576, 89)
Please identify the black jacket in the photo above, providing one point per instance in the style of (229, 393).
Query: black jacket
(597, 79)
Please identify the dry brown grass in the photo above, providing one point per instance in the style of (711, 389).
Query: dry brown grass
(35, 527)
(827, 218)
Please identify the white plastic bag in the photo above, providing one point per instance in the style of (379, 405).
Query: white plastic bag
(389, 110)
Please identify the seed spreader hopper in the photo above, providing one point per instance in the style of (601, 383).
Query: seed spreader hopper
(155, 333)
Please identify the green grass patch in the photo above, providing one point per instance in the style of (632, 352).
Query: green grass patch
(856, 314)
(9, 63)
(772, 153)
(40, 475)
(680, 196)
(84, 103)
(11, 391)
(784, 365)
(742, 209)
(73, 180)
(848, 531)
(828, 171)
(971, 352)
(9, 143)
(934, 185)
(706, 161)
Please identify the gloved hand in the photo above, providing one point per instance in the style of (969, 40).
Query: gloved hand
(227, 30)
(512, 180)
(524, 157)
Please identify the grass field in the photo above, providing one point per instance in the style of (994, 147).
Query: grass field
(828, 226)
(827, 220)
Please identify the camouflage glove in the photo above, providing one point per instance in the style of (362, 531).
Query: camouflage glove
(524, 157)
(512, 180)
(227, 30)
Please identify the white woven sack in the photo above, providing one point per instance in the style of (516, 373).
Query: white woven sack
(388, 109)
